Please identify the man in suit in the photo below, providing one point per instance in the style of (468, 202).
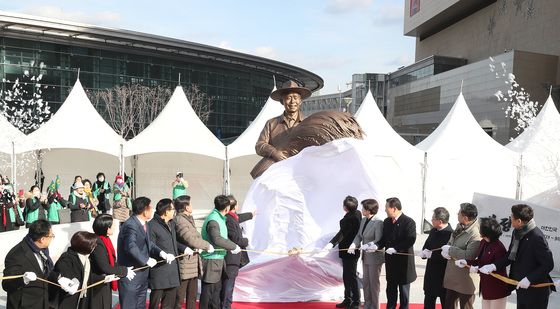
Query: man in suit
(31, 258)
(435, 266)
(399, 235)
(369, 234)
(136, 249)
(164, 278)
(214, 231)
(349, 225)
(529, 258)
(233, 261)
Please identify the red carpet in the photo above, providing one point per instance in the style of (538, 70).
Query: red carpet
(306, 305)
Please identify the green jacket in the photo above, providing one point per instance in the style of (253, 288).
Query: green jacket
(179, 190)
(215, 215)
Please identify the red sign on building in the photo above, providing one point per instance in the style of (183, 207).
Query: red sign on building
(414, 7)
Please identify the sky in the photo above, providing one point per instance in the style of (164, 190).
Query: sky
(331, 38)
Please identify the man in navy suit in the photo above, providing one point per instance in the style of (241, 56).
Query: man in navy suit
(136, 249)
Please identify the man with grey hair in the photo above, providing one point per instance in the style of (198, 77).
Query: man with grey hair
(463, 245)
(435, 266)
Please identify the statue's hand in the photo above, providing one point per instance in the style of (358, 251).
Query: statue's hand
(279, 155)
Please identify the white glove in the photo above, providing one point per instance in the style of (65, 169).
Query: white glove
(236, 250)
(391, 251)
(28, 277)
(461, 263)
(364, 247)
(210, 248)
(169, 258)
(352, 249)
(151, 262)
(111, 278)
(323, 252)
(524, 283)
(473, 269)
(557, 284)
(130, 274)
(188, 251)
(65, 283)
(426, 254)
(371, 247)
(73, 287)
(328, 247)
(487, 269)
(445, 250)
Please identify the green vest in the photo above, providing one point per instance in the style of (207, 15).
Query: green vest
(221, 219)
(179, 190)
(117, 195)
(52, 213)
(13, 214)
(96, 189)
(33, 215)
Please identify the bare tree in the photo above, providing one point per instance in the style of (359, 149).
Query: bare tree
(131, 108)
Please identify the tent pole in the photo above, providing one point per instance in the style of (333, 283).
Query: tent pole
(424, 176)
(226, 174)
(14, 171)
(519, 187)
(121, 161)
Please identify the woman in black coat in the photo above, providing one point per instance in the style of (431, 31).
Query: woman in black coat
(74, 263)
(103, 262)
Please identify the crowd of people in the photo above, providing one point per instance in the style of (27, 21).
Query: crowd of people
(460, 261)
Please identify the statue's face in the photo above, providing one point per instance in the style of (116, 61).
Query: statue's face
(292, 102)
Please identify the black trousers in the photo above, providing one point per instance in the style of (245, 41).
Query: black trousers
(165, 297)
(210, 295)
(188, 288)
(350, 279)
(430, 300)
(533, 298)
(402, 291)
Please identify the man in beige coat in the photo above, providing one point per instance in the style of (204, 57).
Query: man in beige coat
(461, 285)
(190, 267)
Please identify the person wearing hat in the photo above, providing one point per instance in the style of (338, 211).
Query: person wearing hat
(290, 95)
(78, 203)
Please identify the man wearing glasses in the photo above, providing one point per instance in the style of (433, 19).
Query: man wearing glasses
(31, 258)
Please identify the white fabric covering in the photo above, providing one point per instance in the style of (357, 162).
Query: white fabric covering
(463, 159)
(540, 146)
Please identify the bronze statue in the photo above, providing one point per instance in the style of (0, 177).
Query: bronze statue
(286, 135)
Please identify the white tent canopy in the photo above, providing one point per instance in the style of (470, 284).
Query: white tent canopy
(241, 153)
(9, 134)
(463, 159)
(178, 141)
(67, 128)
(540, 146)
(399, 162)
(176, 129)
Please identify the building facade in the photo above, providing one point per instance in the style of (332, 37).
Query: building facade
(237, 83)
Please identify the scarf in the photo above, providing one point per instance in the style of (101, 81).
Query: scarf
(234, 215)
(517, 235)
(111, 253)
(48, 264)
(84, 259)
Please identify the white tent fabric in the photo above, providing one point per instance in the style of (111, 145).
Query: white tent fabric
(463, 159)
(540, 146)
(176, 129)
(241, 153)
(177, 141)
(66, 128)
(9, 134)
(400, 161)
(299, 204)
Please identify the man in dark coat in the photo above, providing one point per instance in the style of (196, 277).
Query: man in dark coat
(399, 235)
(31, 258)
(435, 267)
(349, 226)
(529, 258)
(164, 278)
(135, 248)
(233, 261)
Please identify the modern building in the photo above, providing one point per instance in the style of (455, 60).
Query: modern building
(455, 40)
(238, 83)
(339, 101)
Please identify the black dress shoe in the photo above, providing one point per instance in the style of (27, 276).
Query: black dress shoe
(354, 305)
(344, 304)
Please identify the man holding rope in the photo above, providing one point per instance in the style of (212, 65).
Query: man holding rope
(29, 269)
(529, 258)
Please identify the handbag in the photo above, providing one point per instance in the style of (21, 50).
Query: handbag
(244, 259)
(64, 215)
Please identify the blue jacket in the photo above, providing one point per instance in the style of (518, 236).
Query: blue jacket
(134, 246)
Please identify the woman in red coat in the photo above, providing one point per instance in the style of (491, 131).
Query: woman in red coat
(494, 292)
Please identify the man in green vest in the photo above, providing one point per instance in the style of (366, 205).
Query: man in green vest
(214, 231)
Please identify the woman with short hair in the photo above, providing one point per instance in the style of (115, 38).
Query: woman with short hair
(104, 262)
(494, 291)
